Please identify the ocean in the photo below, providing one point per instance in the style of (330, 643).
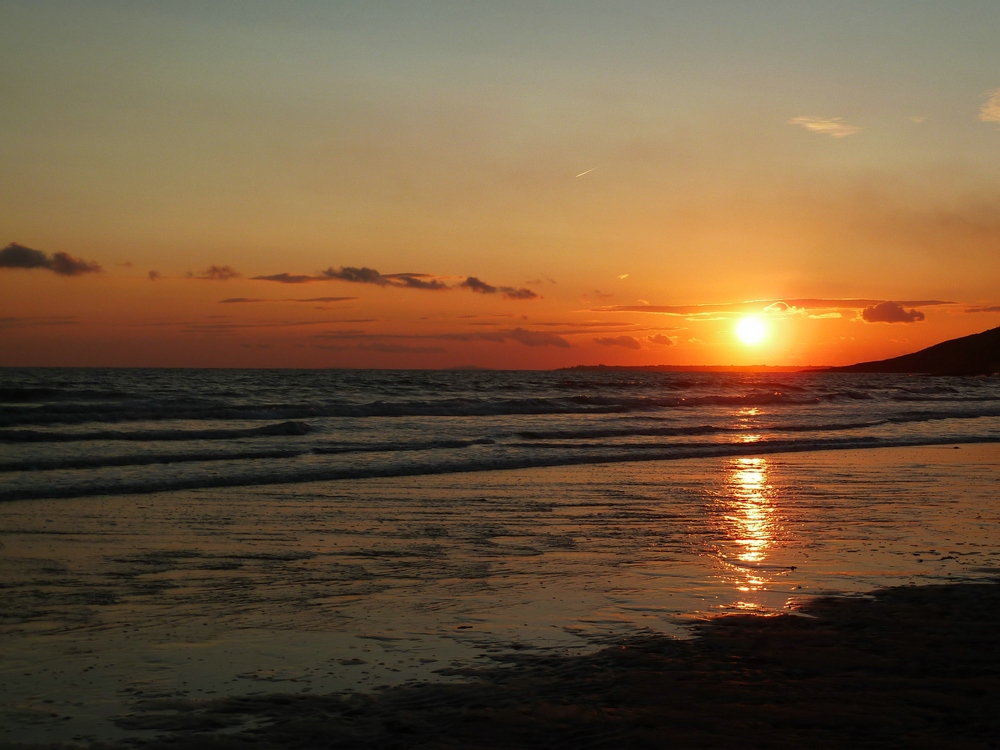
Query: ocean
(182, 535)
(78, 432)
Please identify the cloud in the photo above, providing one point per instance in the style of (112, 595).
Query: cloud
(781, 308)
(154, 275)
(365, 275)
(917, 119)
(523, 293)
(416, 281)
(423, 281)
(362, 275)
(478, 286)
(63, 264)
(521, 335)
(990, 111)
(661, 339)
(983, 309)
(538, 338)
(833, 126)
(287, 278)
(772, 305)
(826, 316)
(890, 312)
(627, 342)
(19, 256)
(286, 299)
(10, 322)
(400, 348)
(220, 273)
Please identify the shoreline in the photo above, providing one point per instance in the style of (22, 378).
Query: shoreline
(761, 448)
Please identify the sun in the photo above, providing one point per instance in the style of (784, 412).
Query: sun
(751, 330)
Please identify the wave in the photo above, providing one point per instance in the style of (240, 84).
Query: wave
(285, 474)
(14, 394)
(40, 436)
(454, 407)
(101, 462)
(398, 447)
(770, 427)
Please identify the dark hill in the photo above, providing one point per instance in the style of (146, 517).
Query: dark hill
(978, 354)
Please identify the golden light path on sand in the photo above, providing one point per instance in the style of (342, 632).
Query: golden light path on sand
(751, 523)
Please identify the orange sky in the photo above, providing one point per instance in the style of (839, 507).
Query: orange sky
(617, 180)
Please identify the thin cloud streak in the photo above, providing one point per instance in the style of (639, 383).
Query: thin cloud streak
(247, 300)
(832, 126)
(763, 305)
(627, 342)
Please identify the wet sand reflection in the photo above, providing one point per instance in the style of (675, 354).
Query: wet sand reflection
(751, 525)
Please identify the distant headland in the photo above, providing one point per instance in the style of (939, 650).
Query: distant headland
(978, 354)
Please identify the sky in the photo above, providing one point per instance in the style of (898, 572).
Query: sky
(495, 184)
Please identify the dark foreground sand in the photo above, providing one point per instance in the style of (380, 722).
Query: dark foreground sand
(911, 667)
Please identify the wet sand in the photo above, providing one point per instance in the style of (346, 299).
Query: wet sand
(128, 618)
(911, 667)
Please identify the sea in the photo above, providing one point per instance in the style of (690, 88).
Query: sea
(78, 432)
(168, 537)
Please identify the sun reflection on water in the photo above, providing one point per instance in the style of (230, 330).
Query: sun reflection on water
(752, 525)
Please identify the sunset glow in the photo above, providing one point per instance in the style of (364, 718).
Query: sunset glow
(400, 185)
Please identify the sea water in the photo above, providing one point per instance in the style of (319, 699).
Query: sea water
(78, 432)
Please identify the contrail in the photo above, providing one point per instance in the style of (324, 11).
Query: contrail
(587, 172)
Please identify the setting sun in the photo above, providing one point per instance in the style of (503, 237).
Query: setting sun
(750, 331)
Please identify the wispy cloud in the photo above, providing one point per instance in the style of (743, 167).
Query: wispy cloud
(538, 338)
(983, 309)
(990, 111)
(661, 339)
(477, 286)
(365, 275)
(288, 278)
(890, 312)
(220, 273)
(238, 300)
(400, 348)
(764, 306)
(63, 264)
(12, 322)
(520, 335)
(627, 342)
(423, 281)
(832, 126)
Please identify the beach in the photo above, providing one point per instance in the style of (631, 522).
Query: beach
(133, 617)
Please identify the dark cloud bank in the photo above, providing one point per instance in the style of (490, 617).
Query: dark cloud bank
(63, 264)
(890, 312)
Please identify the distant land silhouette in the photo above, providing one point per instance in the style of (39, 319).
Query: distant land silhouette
(978, 354)
(692, 368)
